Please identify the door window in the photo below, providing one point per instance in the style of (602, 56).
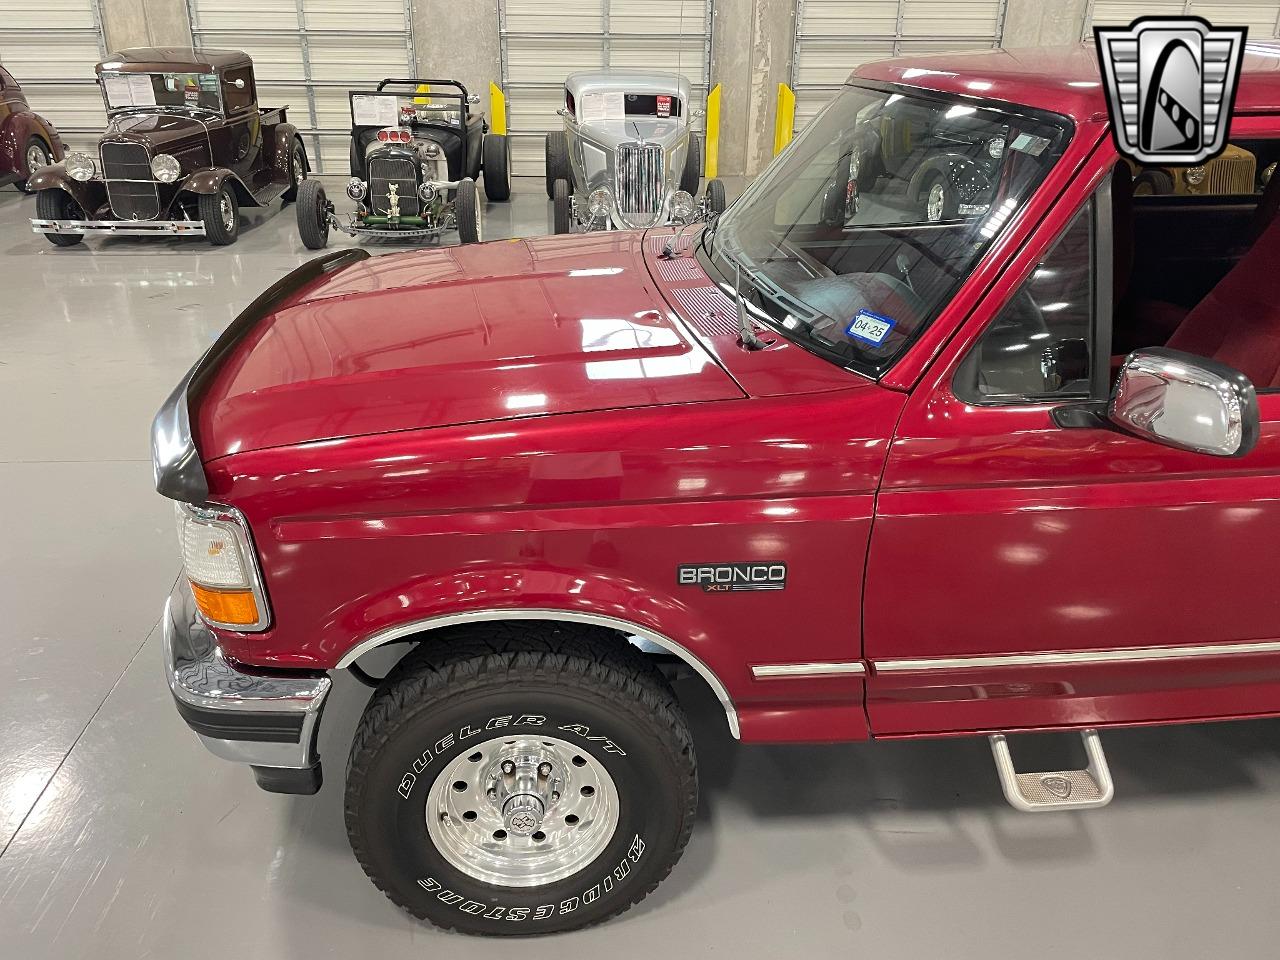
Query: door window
(1041, 344)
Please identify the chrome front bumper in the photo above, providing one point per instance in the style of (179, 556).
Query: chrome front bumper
(120, 228)
(267, 720)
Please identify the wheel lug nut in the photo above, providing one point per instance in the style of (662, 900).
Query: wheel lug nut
(508, 767)
(544, 769)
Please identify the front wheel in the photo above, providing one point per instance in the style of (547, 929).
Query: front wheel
(716, 202)
(36, 155)
(939, 202)
(313, 215)
(520, 780)
(57, 204)
(558, 167)
(221, 215)
(691, 175)
(467, 210)
(561, 208)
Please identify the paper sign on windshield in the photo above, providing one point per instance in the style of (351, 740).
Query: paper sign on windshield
(602, 106)
(870, 327)
(368, 110)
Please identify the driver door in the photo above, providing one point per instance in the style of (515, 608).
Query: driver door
(1030, 573)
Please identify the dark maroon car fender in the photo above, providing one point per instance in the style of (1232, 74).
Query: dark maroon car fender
(16, 130)
(209, 182)
(282, 144)
(89, 194)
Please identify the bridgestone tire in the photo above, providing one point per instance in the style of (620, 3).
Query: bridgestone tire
(313, 215)
(467, 210)
(561, 214)
(691, 176)
(558, 166)
(56, 204)
(217, 232)
(497, 167)
(468, 691)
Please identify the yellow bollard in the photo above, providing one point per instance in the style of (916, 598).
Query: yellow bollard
(498, 107)
(784, 121)
(712, 165)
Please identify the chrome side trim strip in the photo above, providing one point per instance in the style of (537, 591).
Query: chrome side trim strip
(568, 616)
(766, 671)
(1130, 655)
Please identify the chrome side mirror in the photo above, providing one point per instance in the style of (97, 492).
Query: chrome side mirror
(698, 113)
(473, 98)
(1187, 402)
(564, 113)
(238, 83)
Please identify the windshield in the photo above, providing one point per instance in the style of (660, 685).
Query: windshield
(170, 91)
(853, 241)
(406, 108)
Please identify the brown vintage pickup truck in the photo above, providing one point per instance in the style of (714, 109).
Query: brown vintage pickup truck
(186, 146)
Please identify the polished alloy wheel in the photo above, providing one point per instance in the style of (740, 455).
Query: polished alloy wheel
(937, 202)
(228, 213)
(299, 166)
(522, 812)
(37, 157)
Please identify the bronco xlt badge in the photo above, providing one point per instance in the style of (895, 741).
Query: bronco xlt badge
(732, 577)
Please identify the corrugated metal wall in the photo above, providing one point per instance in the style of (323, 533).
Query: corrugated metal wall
(309, 53)
(542, 43)
(51, 47)
(1260, 16)
(835, 36)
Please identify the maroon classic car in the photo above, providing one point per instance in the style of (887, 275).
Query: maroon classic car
(186, 147)
(888, 476)
(27, 140)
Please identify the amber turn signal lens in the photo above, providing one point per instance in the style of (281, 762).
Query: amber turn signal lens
(226, 606)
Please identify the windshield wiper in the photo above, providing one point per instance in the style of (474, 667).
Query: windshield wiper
(746, 332)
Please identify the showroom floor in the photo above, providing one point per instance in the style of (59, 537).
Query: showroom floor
(123, 838)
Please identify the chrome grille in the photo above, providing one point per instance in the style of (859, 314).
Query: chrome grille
(640, 182)
(384, 171)
(131, 189)
(1230, 175)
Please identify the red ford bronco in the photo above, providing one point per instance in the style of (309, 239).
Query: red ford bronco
(866, 471)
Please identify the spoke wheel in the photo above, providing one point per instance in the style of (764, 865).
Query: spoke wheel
(36, 156)
(522, 812)
(936, 202)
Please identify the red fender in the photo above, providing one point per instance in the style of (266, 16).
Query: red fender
(16, 130)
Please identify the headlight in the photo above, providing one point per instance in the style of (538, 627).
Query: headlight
(995, 148)
(431, 150)
(1267, 171)
(80, 166)
(427, 192)
(682, 205)
(599, 202)
(356, 188)
(165, 168)
(219, 561)
(1194, 175)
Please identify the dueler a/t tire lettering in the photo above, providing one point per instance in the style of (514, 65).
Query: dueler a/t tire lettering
(478, 685)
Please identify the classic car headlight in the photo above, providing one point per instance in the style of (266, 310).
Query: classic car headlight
(431, 149)
(356, 188)
(995, 148)
(80, 166)
(165, 168)
(682, 205)
(427, 192)
(219, 561)
(1194, 175)
(599, 202)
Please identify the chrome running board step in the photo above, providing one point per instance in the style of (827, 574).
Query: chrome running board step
(1057, 789)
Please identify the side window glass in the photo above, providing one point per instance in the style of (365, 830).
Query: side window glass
(1040, 345)
(237, 97)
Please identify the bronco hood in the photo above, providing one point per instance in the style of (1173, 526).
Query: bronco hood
(457, 335)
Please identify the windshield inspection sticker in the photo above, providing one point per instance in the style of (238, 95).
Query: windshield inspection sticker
(732, 577)
(870, 327)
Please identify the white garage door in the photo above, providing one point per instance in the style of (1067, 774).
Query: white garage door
(1260, 16)
(51, 48)
(835, 36)
(308, 54)
(542, 43)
